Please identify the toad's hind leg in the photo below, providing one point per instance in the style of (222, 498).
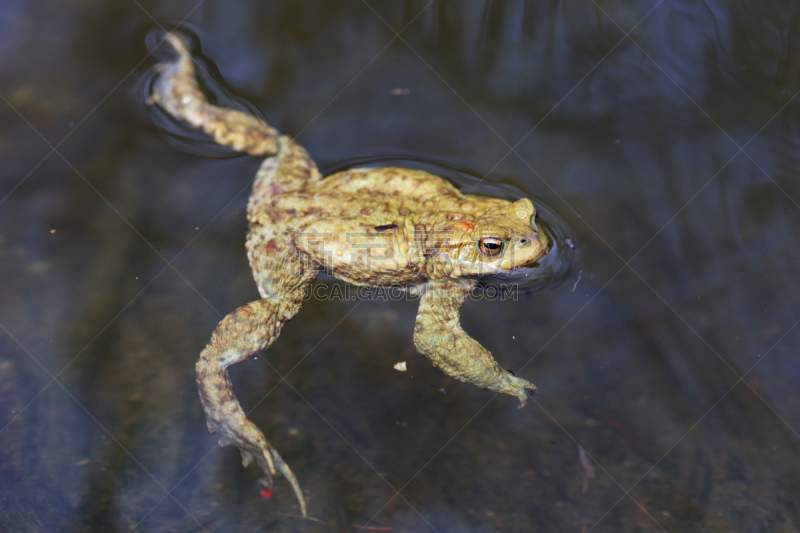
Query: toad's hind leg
(438, 335)
(176, 90)
(241, 335)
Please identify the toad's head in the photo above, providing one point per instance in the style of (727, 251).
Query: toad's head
(501, 238)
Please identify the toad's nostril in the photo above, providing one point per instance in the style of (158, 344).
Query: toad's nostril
(535, 221)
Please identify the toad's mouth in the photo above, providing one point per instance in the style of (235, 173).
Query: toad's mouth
(535, 261)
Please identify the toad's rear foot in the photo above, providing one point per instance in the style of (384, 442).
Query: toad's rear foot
(176, 90)
(242, 335)
(236, 430)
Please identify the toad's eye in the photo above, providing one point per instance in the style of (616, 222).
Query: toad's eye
(491, 246)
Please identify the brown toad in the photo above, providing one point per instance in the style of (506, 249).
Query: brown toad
(371, 227)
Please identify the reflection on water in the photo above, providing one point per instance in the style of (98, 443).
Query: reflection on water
(668, 353)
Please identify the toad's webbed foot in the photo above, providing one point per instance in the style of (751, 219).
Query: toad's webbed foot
(438, 335)
(176, 90)
(241, 335)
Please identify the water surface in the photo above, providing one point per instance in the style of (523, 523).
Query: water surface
(664, 135)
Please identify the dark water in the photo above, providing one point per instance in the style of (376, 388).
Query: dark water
(669, 354)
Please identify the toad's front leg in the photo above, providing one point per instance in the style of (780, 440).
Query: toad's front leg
(438, 335)
(241, 335)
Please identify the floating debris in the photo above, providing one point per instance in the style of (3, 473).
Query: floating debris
(577, 280)
(588, 469)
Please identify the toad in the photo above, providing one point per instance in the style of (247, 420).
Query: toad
(374, 227)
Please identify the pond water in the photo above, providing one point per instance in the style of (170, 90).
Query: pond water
(662, 136)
